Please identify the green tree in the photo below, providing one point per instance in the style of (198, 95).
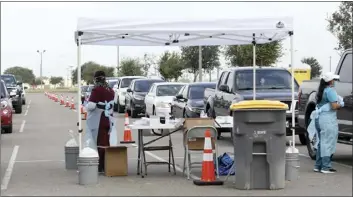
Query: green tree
(340, 25)
(170, 66)
(210, 58)
(37, 81)
(130, 67)
(266, 54)
(22, 74)
(316, 68)
(88, 69)
(56, 80)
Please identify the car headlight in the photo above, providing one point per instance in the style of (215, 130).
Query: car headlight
(4, 104)
(138, 97)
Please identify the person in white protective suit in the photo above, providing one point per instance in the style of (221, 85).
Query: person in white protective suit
(324, 122)
(99, 122)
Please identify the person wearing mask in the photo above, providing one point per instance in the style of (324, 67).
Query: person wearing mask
(324, 123)
(99, 108)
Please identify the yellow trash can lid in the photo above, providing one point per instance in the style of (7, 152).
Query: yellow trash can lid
(258, 104)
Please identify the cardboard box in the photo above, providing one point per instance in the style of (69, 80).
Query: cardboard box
(197, 143)
(116, 162)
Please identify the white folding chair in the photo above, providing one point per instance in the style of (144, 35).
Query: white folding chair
(198, 132)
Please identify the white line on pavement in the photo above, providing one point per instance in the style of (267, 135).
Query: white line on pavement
(30, 101)
(8, 173)
(163, 160)
(22, 126)
(26, 112)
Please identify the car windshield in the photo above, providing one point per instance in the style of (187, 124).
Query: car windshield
(126, 82)
(112, 83)
(84, 88)
(197, 92)
(144, 85)
(2, 90)
(9, 80)
(265, 79)
(168, 90)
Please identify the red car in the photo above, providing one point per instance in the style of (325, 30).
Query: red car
(5, 109)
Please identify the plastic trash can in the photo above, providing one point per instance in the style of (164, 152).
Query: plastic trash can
(259, 129)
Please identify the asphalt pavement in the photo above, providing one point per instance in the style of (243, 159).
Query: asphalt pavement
(32, 163)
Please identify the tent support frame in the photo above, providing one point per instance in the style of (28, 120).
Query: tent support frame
(79, 123)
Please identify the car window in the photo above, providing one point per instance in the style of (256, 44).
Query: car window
(112, 83)
(168, 90)
(126, 82)
(3, 90)
(9, 80)
(224, 78)
(220, 79)
(346, 69)
(89, 89)
(181, 90)
(197, 92)
(265, 79)
(84, 88)
(144, 85)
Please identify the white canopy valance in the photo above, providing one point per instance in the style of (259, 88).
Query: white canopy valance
(130, 32)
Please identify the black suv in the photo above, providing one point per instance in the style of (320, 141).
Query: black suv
(136, 93)
(14, 88)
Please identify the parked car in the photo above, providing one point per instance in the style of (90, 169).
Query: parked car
(307, 102)
(161, 96)
(6, 109)
(24, 88)
(14, 89)
(135, 97)
(188, 103)
(112, 81)
(236, 85)
(120, 92)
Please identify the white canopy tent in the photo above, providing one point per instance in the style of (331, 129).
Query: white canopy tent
(128, 32)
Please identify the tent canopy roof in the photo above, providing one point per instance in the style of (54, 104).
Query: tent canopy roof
(128, 32)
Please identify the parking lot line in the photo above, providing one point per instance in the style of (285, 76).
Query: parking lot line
(5, 181)
(26, 112)
(22, 126)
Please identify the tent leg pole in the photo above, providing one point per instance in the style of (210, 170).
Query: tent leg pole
(200, 63)
(117, 60)
(254, 67)
(292, 71)
(79, 122)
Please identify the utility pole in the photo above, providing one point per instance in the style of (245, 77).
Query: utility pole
(41, 66)
(330, 63)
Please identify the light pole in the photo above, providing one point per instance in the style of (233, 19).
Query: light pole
(41, 66)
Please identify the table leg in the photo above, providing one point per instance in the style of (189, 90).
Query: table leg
(172, 153)
(144, 158)
(138, 152)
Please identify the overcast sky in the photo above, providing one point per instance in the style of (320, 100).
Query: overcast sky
(28, 27)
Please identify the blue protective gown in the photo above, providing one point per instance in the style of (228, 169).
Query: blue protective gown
(324, 120)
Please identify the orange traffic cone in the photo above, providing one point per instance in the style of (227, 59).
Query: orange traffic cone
(67, 102)
(127, 132)
(56, 98)
(72, 103)
(62, 102)
(208, 169)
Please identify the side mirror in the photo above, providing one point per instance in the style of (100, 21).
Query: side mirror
(224, 88)
(26, 87)
(19, 83)
(179, 96)
(128, 90)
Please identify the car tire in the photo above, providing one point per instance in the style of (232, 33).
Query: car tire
(115, 108)
(210, 113)
(23, 102)
(310, 144)
(8, 130)
(134, 113)
(120, 109)
(18, 109)
(302, 139)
